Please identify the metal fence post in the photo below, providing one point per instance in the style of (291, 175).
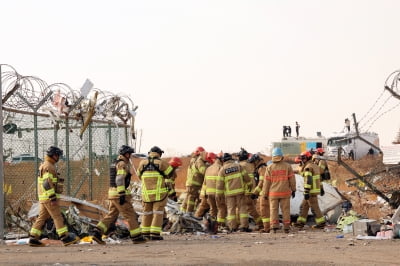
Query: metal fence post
(67, 156)
(1, 162)
(90, 162)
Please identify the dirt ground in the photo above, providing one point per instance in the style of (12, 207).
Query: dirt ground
(308, 247)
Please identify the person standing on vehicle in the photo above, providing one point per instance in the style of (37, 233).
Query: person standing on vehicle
(297, 130)
(279, 185)
(243, 157)
(194, 180)
(312, 188)
(49, 189)
(233, 180)
(120, 197)
(154, 174)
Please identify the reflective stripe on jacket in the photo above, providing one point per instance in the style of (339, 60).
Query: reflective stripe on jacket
(211, 177)
(279, 179)
(312, 179)
(154, 187)
(47, 179)
(249, 167)
(195, 173)
(123, 168)
(233, 179)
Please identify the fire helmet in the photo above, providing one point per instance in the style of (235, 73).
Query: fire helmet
(226, 157)
(125, 149)
(156, 149)
(53, 150)
(277, 152)
(175, 162)
(243, 154)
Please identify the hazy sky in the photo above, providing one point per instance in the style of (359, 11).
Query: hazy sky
(221, 74)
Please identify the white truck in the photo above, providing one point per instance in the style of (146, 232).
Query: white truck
(354, 146)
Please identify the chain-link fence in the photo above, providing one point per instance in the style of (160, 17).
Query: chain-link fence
(88, 128)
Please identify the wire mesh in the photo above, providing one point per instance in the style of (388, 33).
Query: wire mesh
(89, 129)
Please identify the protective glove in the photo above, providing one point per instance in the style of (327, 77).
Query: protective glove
(122, 199)
(173, 196)
(322, 191)
(293, 194)
(253, 196)
(306, 196)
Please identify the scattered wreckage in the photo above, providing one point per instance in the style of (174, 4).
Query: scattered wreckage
(82, 216)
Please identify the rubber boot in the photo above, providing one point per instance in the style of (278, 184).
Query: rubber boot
(34, 242)
(69, 238)
(154, 236)
(146, 236)
(267, 228)
(139, 239)
(97, 236)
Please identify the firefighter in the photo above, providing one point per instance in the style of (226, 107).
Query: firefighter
(243, 156)
(120, 197)
(155, 174)
(257, 191)
(233, 180)
(220, 198)
(194, 180)
(49, 189)
(323, 165)
(175, 163)
(312, 188)
(208, 189)
(279, 185)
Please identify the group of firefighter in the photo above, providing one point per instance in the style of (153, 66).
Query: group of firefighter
(231, 187)
(235, 187)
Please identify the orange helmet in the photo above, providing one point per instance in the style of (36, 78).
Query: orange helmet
(175, 162)
(210, 157)
(198, 150)
(306, 155)
(320, 151)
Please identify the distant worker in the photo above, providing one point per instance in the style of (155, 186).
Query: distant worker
(371, 151)
(284, 131)
(233, 179)
(249, 200)
(279, 186)
(347, 125)
(155, 175)
(263, 204)
(297, 129)
(120, 197)
(194, 180)
(312, 188)
(49, 189)
(289, 131)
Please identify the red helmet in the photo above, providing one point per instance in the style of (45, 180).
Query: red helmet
(198, 150)
(210, 157)
(175, 162)
(306, 155)
(320, 151)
